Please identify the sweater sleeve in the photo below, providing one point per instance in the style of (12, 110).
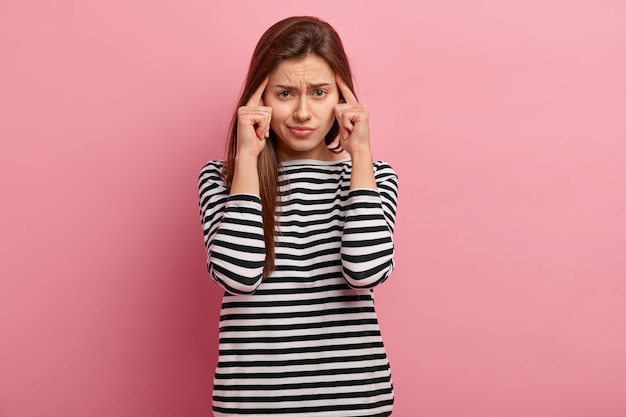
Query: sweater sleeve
(233, 233)
(367, 250)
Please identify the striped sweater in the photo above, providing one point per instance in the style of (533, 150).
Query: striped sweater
(305, 341)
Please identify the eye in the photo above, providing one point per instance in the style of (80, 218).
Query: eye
(284, 94)
(320, 93)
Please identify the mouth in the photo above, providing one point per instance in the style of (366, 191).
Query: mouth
(300, 131)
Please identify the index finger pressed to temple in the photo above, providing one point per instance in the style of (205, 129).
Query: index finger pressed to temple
(348, 95)
(255, 99)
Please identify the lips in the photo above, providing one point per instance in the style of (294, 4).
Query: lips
(300, 131)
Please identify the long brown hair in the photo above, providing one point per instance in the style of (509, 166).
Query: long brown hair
(293, 37)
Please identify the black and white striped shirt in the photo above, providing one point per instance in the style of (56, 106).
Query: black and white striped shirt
(305, 341)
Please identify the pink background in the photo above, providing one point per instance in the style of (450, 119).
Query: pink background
(506, 121)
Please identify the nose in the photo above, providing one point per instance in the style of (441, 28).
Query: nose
(302, 110)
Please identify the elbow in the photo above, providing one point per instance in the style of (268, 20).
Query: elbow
(236, 281)
(367, 260)
(368, 276)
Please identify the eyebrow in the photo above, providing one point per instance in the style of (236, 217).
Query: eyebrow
(291, 87)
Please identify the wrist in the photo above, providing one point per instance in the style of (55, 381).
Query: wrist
(246, 177)
(363, 155)
(245, 159)
(362, 171)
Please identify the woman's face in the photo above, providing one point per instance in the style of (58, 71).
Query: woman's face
(302, 94)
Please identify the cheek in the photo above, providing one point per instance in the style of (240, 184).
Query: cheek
(328, 112)
(278, 117)
(275, 125)
(279, 111)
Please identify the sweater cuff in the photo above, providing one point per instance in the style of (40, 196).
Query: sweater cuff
(242, 199)
(363, 195)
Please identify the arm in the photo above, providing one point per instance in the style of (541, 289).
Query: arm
(367, 250)
(367, 242)
(232, 220)
(233, 233)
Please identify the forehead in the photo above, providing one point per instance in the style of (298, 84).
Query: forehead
(311, 68)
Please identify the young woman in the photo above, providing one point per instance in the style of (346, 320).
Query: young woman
(298, 226)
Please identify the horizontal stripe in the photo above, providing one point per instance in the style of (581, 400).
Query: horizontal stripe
(294, 338)
(316, 385)
(300, 409)
(305, 349)
(293, 302)
(300, 374)
(298, 362)
(299, 326)
(323, 313)
(314, 397)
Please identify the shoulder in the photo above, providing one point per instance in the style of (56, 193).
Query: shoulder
(211, 168)
(386, 179)
(212, 171)
(211, 179)
(384, 171)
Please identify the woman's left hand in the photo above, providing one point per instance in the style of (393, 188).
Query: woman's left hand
(353, 119)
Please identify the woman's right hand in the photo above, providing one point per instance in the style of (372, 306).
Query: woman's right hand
(253, 124)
